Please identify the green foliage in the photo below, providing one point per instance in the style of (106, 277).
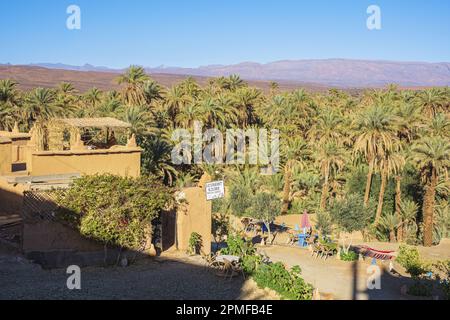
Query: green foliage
(195, 243)
(443, 275)
(350, 213)
(220, 226)
(409, 258)
(420, 289)
(112, 209)
(324, 223)
(242, 200)
(287, 283)
(238, 246)
(265, 206)
(349, 256)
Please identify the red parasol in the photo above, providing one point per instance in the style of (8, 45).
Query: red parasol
(305, 220)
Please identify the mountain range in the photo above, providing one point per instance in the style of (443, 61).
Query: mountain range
(339, 73)
(330, 72)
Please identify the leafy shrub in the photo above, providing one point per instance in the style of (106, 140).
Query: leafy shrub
(220, 226)
(265, 207)
(420, 289)
(443, 275)
(349, 256)
(288, 284)
(351, 214)
(237, 246)
(112, 209)
(324, 223)
(409, 258)
(242, 200)
(195, 243)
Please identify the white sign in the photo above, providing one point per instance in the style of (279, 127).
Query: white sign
(215, 190)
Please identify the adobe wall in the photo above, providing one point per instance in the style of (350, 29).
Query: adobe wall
(11, 197)
(5, 156)
(194, 216)
(121, 161)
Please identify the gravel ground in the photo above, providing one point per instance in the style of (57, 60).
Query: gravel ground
(174, 277)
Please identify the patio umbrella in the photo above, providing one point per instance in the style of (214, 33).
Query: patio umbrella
(305, 220)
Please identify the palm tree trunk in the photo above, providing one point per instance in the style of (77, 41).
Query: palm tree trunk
(392, 236)
(323, 199)
(286, 189)
(381, 196)
(398, 201)
(369, 182)
(428, 209)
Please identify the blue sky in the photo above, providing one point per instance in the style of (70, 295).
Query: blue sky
(190, 33)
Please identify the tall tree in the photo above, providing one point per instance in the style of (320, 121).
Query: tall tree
(133, 81)
(375, 131)
(432, 157)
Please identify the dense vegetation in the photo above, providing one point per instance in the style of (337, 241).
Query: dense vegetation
(114, 210)
(388, 147)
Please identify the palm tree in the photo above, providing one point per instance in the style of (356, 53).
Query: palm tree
(331, 158)
(93, 97)
(391, 163)
(432, 157)
(328, 126)
(375, 131)
(408, 215)
(139, 118)
(152, 91)
(246, 101)
(66, 88)
(9, 101)
(294, 151)
(39, 105)
(234, 82)
(176, 100)
(157, 160)
(212, 113)
(186, 117)
(389, 223)
(133, 79)
(431, 100)
(438, 126)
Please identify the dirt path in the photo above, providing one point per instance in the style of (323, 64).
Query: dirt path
(343, 280)
(174, 277)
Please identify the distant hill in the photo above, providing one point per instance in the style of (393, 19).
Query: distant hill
(332, 72)
(30, 77)
(310, 74)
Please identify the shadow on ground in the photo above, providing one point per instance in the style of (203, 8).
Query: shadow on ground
(166, 277)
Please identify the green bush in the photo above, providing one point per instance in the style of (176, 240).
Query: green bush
(237, 246)
(195, 243)
(351, 214)
(420, 289)
(324, 223)
(287, 283)
(443, 275)
(112, 209)
(349, 256)
(409, 258)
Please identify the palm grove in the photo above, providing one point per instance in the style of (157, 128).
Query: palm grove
(384, 152)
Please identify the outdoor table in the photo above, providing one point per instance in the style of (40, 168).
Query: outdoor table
(229, 258)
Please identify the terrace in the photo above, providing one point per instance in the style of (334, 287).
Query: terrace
(68, 146)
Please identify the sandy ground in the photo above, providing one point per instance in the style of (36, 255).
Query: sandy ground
(174, 277)
(341, 280)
